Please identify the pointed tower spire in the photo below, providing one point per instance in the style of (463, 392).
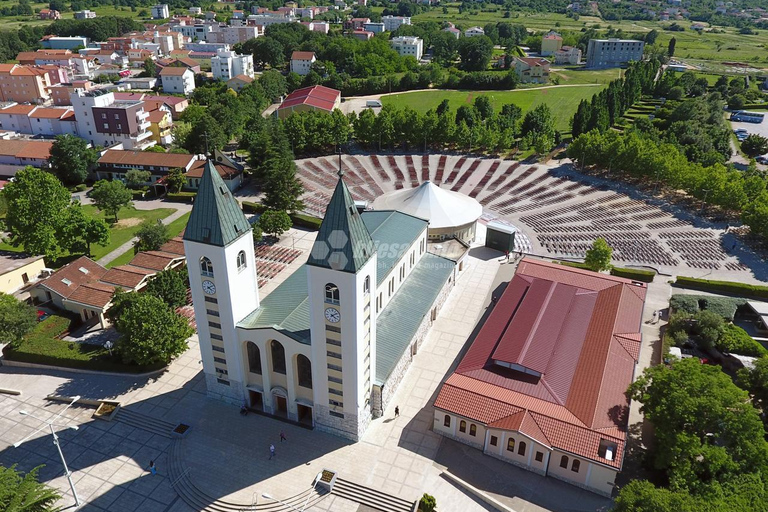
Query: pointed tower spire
(343, 242)
(216, 218)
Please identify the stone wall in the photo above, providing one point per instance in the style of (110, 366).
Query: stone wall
(233, 394)
(347, 427)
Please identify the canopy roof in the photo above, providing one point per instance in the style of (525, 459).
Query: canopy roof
(442, 208)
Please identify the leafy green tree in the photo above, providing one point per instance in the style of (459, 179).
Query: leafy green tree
(598, 257)
(80, 230)
(755, 145)
(169, 286)
(467, 114)
(275, 222)
(71, 158)
(443, 107)
(151, 235)
(150, 68)
(483, 106)
(475, 52)
(706, 430)
(36, 205)
(282, 188)
(539, 128)
(16, 320)
(175, 179)
(136, 178)
(23, 493)
(151, 332)
(111, 196)
(671, 47)
(257, 233)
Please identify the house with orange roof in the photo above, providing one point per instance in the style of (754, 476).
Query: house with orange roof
(316, 97)
(551, 43)
(542, 384)
(178, 80)
(49, 14)
(532, 70)
(160, 124)
(16, 154)
(237, 82)
(35, 120)
(24, 84)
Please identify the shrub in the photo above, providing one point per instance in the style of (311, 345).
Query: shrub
(81, 187)
(574, 264)
(734, 339)
(679, 338)
(305, 221)
(724, 306)
(644, 276)
(686, 303)
(181, 197)
(427, 503)
(250, 207)
(726, 287)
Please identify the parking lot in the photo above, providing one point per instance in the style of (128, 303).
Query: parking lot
(753, 128)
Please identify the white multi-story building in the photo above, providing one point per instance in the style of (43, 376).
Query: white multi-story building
(160, 12)
(392, 23)
(568, 55)
(232, 35)
(613, 53)
(376, 28)
(84, 15)
(228, 64)
(408, 45)
(178, 80)
(268, 19)
(474, 32)
(104, 121)
(301, 62)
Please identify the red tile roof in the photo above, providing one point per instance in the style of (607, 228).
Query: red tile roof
(18, 109)
(94, 294)
(50, 113)
(126, 276)
(174, 246)
(534, 61)
(553, 359)
(145, 158)
(154, 260)
(316, 96)
(68, 278)
(225, 171)
(173, 71)
(302, 55)
(26, 148)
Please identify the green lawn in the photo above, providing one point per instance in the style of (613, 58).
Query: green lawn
(573, 75)
(120, 233)
(174, 229)
(562, 100)
(42, 346)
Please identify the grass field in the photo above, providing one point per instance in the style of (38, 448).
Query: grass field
(562, 100)
(119, 233)
(573, 75)
(174, 229)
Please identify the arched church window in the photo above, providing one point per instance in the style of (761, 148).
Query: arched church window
(304, 371)
(206, 267)
(241, 264)
(367, 285)
(331, 293)
(278, 356)
(254, 358)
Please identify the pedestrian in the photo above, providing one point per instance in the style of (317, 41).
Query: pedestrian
(494, 299)
(282, 436)
(152, 468)
(506, 254)
(397, 411)
(271, 451)
(655, 316)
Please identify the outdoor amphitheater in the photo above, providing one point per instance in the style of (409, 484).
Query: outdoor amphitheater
(558, 212)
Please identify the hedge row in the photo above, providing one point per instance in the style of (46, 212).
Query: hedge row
(645, 276)
(723, 306)
(304, 221)
(251, 207)
(726, 287)
(181, 197)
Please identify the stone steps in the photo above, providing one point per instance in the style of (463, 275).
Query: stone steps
(150, 424)
(201, 501)
(371, 497)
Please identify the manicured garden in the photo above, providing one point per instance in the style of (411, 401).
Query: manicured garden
(174, 229)
(44, 346)
(562, 100)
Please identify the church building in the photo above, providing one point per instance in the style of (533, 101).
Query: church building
(330, 344)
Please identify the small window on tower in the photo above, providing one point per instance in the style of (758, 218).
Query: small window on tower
(206, 267)
(241, 263)
(331, 294)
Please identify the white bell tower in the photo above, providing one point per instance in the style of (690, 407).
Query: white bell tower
(341, 277)
(218, 243)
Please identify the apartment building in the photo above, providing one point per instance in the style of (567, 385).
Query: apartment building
(408, 45)
(301, 62)
(392, 23)
(160, 12)
(178, 80)
(105, 121)
(613, 53)
(227, 64)
(24, 84)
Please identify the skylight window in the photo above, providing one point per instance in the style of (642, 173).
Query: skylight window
(66, 281)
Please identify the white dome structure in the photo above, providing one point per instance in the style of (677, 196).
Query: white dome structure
(449, 213)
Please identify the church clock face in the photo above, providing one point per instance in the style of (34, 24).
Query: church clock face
(332, 315)
(209, 287)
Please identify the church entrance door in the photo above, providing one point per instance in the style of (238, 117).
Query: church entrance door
(305, 415)
(256, 400)
(281, 406)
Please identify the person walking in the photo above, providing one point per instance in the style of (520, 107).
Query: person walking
(271, 451)
(397, 411)
(152, 468)
(506, 254)
(282, 436)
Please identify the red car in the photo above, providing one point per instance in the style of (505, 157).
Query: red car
(41, 315)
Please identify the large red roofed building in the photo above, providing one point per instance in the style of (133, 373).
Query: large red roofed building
(316, 97)
(542, 385)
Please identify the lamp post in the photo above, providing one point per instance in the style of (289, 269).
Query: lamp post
(268, 496)
(50, 425)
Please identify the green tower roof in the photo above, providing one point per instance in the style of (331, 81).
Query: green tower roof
(216, 218)
(343, 242)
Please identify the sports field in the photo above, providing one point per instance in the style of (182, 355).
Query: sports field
(562, 100)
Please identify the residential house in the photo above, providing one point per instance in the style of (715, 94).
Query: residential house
(376, 28)
(551, 43)
(232, 35)
(182, 62)
(61, 93)
(532, 70)
(15, 154)
(195, 11)
(49, 14)
(137, 56)
(227, 64)
(317, 26)
(316, 97)
(160, 12)
(178, 80)
(568, 55)
(452, 30)
(85, 15)
(106, 121)
(34, 120)
(24, 84)
(229, 170)
(139, 83)
(408, 45)
(543, 379)
(474, 31)
(362, 35)
(301, 62)
(18, 270)
(160, 124)
(356, 23)
(64, 43)
(113, 164)
(392, 23)
(236, 83)
(175, 104)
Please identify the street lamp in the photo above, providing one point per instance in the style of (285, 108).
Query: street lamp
(50, 424)
(268, 496)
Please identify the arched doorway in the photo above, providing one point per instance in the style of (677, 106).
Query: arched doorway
(279, 402)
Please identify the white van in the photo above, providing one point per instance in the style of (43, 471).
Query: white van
(373, 104)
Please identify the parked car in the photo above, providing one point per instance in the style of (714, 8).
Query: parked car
(41, 315)
(762, 159)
